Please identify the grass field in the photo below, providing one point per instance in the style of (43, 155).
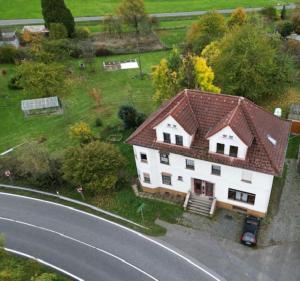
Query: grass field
(31, 8)
(117, 88)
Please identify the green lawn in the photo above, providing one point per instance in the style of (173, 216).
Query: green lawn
(18, 269)
(117, 88)
(31, 8)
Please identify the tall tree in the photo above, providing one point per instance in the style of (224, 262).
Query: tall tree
(210, 27)
(238, 17)
(251, 64)
(133, 14)
(55, 11)
(95, 166)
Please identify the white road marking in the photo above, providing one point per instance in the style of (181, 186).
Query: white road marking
(45, 263)
(126, 228)
(82, 243)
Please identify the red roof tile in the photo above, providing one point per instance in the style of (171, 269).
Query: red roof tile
(204, 114)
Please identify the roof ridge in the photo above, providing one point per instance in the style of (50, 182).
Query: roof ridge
(189, 104)
(258, 136)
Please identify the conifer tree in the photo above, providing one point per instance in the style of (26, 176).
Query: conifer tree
(55, 11)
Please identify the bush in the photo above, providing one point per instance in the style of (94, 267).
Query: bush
(285, 28)
(102, 52)
(8, 54)
(13, 83)
(98, 122)
(293, 47)
(131, 117)
(58, 31)
(82, 33)
(270, 13)
(296, 21)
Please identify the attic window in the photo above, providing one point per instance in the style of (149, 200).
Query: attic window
(224, 136)
(272, 140)
(230, 137)
(174, 126)
(169, 125)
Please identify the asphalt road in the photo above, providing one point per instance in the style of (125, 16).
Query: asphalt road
(89, 247)
(13, 22)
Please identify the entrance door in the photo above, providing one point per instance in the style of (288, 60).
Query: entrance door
(197, 186)
(209, 189)
(203, 188)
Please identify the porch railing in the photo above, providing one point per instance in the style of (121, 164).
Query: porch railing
(213, 207)
(186, 201)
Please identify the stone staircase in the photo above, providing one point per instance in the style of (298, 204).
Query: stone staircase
(199, 205)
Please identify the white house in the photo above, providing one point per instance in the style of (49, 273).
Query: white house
(209, 146)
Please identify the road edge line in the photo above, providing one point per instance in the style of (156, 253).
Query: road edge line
(44, 263)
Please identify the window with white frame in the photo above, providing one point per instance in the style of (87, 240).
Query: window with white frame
(247, 176)
(166, 178)
(179, 140)
(190, 164)
(167, 138)
(144, 158)
(241, 196)
(146, 178)
(180, 178)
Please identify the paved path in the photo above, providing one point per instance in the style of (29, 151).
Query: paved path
(89, 247)
(13, 22)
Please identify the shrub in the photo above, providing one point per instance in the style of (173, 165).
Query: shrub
(8, 54)
(270, 13)
(98, 122)
(102, 52)
(140, 118)
(13, 83)
(285, 28)
(81, 131)
(293, 47)
(130, 116)
(82, 33)
(296, 21)
(58, 31)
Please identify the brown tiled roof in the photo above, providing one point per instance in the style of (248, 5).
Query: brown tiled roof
(206, 113)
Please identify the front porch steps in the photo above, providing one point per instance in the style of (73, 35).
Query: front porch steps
(199, 205)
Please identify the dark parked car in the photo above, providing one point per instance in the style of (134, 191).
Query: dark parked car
(251, 226)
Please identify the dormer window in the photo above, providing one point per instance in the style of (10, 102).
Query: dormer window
(179, 140)
(233, 151)
(220, 148)
(167, 138)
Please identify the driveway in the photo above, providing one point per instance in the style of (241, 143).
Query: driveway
(215, 241)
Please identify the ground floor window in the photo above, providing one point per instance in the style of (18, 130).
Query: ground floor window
(146, 178)
(166, 179)
(241, 196)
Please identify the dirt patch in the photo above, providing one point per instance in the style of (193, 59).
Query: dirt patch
(127, 43)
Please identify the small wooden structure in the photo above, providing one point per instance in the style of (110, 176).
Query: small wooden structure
(120, 65)
(50, 105)
(294, 116)
(9, 38)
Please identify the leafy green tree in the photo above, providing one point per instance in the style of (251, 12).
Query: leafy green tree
(55, 11)
(251, 64)
(238, 17)
(43, 80)
(58, 31)
(209, 27)
(211, 52)
(130, 116)
(113, 26)
(187, 74)
(285, 28)
(270, 13)
(95, 166)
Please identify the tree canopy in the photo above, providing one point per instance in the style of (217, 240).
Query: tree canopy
(209, 27)
(251, 64)
(95, 166)
(55, 11)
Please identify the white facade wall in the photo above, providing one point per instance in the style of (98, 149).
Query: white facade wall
(231, 177)
(227, 141)
(172, 127)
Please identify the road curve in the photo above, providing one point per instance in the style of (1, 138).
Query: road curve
(89, 247)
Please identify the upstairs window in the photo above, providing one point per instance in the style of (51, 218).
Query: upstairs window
(167, 138)
(190, 164)
(144, 158)
(233, 151)
(164, 158)
(216, 170)
(179, 140)
(246, 176)
(220, 148)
